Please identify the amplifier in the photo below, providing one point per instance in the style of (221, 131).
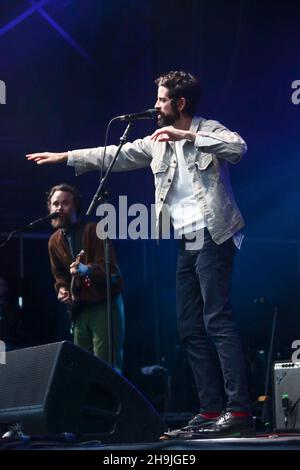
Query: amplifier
(286, 387)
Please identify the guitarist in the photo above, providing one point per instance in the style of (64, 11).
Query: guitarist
(77, 263)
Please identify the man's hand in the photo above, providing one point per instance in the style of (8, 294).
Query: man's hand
(48, 157)
(64, 295)
(79, 269)
(170, 133)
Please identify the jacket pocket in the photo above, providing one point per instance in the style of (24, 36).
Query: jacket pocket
(158, 166)
(204, 161)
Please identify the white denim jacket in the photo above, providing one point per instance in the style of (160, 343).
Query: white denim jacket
(207, 158)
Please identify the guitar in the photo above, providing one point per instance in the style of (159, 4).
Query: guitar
(73, 306)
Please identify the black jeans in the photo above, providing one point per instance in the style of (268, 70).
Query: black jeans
(205, 320)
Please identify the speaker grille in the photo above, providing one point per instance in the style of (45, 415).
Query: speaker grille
(25, 376)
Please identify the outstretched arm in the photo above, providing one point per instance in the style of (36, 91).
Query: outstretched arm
(134, 155)
(48, 157)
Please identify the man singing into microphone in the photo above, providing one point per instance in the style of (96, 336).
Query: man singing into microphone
(77, 263)
(189, 157)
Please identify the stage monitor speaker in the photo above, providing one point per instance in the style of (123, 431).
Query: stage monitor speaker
(59, 387)
(286, 387)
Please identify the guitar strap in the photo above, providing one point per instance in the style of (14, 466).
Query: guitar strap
(74, 239)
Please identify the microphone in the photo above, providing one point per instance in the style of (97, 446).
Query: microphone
(53, 215)
(148, 114)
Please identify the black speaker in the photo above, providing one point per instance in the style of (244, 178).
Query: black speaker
(59, 387)
(286, 386)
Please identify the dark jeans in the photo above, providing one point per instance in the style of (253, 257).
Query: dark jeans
(205, 320)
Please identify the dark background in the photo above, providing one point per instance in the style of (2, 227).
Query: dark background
(71, 65)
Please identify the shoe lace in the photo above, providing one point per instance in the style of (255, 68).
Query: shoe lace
(223, 417)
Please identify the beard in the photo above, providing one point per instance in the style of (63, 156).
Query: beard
(63, 221)
(164, 120)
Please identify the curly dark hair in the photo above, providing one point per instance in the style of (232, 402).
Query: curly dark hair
(69, 189)
(182, 84)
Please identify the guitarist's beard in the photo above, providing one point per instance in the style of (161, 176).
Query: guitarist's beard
(63, 221)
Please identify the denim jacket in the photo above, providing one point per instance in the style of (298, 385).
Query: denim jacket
(207, 159)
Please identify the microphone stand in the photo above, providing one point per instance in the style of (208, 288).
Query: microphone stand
(101, 196)
(27, 228)
(269, 365)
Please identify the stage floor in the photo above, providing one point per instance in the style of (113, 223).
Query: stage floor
(270, 441)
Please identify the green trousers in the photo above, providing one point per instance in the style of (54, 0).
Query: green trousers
(91, 330)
